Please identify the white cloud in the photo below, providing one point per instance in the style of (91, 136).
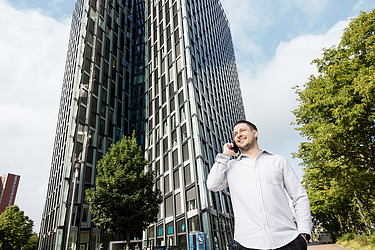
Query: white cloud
(33, 50)
(268, 94)
(247, 19)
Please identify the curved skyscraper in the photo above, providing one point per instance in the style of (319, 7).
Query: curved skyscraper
(102, 99)
(166, 69)
(194, 98)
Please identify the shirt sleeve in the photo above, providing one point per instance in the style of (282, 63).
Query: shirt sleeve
(217, 178)
(300, 200)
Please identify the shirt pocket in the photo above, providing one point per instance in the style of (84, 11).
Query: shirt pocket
(274, 176)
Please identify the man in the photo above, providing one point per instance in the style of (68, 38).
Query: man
(259, 183)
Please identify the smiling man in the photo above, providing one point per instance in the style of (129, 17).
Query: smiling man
(260, 183)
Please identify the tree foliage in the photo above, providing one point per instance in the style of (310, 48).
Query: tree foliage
(15, 228)
(124, 199)
(32, 244)
(336, 114)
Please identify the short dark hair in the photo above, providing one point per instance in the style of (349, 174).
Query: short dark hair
(251, 125)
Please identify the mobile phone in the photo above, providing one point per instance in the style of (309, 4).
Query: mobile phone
(235, 147)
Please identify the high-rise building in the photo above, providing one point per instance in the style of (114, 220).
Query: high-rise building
(194, 99)
(166, 70)
(102, 99)
(8, 190)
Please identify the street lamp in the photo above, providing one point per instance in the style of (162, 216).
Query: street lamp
(76, 165)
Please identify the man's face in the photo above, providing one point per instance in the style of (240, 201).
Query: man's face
(244, 137)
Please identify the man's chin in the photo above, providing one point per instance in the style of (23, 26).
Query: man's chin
(244, 147)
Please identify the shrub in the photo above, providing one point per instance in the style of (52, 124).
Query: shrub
(372, 239)
(348, 237)
(363, 240)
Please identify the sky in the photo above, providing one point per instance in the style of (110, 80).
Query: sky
(275, 42)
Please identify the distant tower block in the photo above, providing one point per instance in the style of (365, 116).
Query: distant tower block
(8, 190)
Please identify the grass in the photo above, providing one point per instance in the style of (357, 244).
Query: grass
(353, 242)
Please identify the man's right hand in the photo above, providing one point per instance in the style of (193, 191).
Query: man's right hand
(227, 149)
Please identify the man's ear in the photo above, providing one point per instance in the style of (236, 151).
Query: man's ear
(255, 132)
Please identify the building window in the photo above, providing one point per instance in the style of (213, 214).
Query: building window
(187, 174)
(160, 231)
(184, 132)
(165, 127)
(181, 97)
(169, 228)
(169, 206)
(173, 120)
(166, 163)
(174, 138)
(193, 224)
(179, 64)
(157, 184)
(165, 144)
(180, 226)
(181, 233)
(157, 150)
(150, 232)
(178, 203)
(157, 168)
(185, 152)
(167, 189)
(175, 158)
(179, 80)
(178, 51)
(176, 178)
(182, 114)
(191, 199)
(172, 103)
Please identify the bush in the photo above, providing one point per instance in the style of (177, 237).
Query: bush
(372, 239)
(348, 237)
(363, 240)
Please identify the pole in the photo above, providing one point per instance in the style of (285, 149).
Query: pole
(361, 211)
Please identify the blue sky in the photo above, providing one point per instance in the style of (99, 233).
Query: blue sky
(264, 24)
(275, 42)
(59, 9)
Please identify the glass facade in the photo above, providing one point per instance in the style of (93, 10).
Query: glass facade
(194, 98)
(166, 70)
(103, 98)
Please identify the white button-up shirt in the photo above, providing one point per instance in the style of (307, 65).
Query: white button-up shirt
(263, 216)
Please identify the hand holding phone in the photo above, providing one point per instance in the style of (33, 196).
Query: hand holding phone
(230, 149)
(235, 147)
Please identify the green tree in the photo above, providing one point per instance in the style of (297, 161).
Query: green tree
(32, 244)
(124, 199)
(336, 114)
(16, 228)
(332, 207)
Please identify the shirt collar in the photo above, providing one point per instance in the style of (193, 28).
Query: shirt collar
(262, 151)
